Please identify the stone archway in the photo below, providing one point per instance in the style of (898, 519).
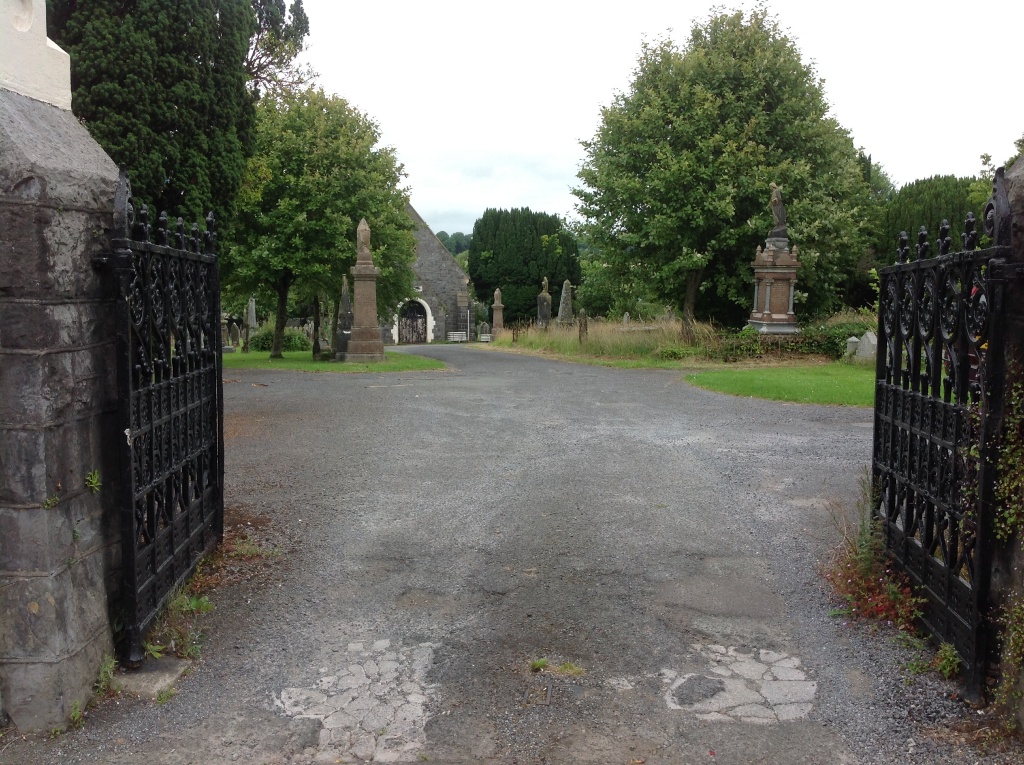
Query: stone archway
(413, 323)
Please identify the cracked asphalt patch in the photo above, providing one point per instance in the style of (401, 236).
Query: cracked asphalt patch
(510, 509)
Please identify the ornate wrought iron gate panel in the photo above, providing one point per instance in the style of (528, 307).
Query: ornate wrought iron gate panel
(938, 401)
(169, 378)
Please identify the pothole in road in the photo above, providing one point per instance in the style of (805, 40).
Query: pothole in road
(742, 685)
(372, 706)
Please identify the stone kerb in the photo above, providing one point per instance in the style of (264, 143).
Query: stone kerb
(59, 558)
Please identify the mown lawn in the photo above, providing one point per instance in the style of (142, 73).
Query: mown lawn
(302, 361)
(835, 383)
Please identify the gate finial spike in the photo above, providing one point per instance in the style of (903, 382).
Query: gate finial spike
(944, 240)
(970, 236)
(903, 248)
(922, 243)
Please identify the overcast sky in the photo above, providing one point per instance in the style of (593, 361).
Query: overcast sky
(486, 103)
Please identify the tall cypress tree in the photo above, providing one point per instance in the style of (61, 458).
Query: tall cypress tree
(162, 87)
(514, 250)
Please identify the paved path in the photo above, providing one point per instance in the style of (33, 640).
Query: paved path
(457, 525)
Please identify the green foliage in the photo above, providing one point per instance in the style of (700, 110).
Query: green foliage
(830, 384)
(315, 173)
(1009, 490)
(513, 250)
(153, 650)
(51, 502)
(278, 40)
(675, 185)
(946, 661)
(92, 481)
(178, 628)
(926, 202)
(292, 340)
(1008, 692)
(77, 716)
(859, 572)
(538, 664)
(105, 685)
(456, 243)
(162, 88)
(165, 695)
(301, 361)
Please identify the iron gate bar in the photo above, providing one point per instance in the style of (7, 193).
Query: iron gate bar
(940, 374)
(171, 404)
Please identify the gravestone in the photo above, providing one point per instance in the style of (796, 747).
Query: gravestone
(775, 268)
(867, 348)
(582, 321)
(250, 322)
(565, 304)
(625, 319)
(544, 305)
(233, 335)
(498, 312)
(344, 322)
(365, 344)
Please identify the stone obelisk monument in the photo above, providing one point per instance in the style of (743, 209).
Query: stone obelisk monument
(365, 344)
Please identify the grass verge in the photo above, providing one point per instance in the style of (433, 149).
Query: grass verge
(302, 361)
(835, 383)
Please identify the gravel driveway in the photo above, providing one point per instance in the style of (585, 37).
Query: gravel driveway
(655, 543)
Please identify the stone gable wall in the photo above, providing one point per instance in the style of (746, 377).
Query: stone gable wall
(439, 275)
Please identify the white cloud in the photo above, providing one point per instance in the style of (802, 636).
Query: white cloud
(486, 103)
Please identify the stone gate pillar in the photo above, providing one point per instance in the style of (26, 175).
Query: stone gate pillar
(366, 344)
(59, 554)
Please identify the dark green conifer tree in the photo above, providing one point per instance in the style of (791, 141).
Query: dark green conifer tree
(514, 250)
(162, 87)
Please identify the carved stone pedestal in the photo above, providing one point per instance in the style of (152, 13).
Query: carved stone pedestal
(775, 269)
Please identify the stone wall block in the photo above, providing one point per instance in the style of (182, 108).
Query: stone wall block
(24, 478)
(87, 614)
(37, 326)
(34, 612)
(42, 695)
(45, 143)
(34, 539)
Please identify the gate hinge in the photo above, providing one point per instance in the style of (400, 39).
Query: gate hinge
(1006, 271)
(119, 258)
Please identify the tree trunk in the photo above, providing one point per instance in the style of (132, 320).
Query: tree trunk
(316, 325)
(281, 288)
(692, 285)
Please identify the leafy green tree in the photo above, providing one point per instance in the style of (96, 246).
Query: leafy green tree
(514, 250)
(315, 172)
(456, 243)
(675, 184)
(981, 189)
(162, 87)
(281, 31)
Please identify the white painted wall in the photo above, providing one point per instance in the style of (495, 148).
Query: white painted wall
(30, 63)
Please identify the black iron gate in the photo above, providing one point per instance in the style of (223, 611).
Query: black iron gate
(169, 379)
(938, 409)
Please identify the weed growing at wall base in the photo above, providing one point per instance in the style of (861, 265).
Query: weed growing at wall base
(859, 574)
